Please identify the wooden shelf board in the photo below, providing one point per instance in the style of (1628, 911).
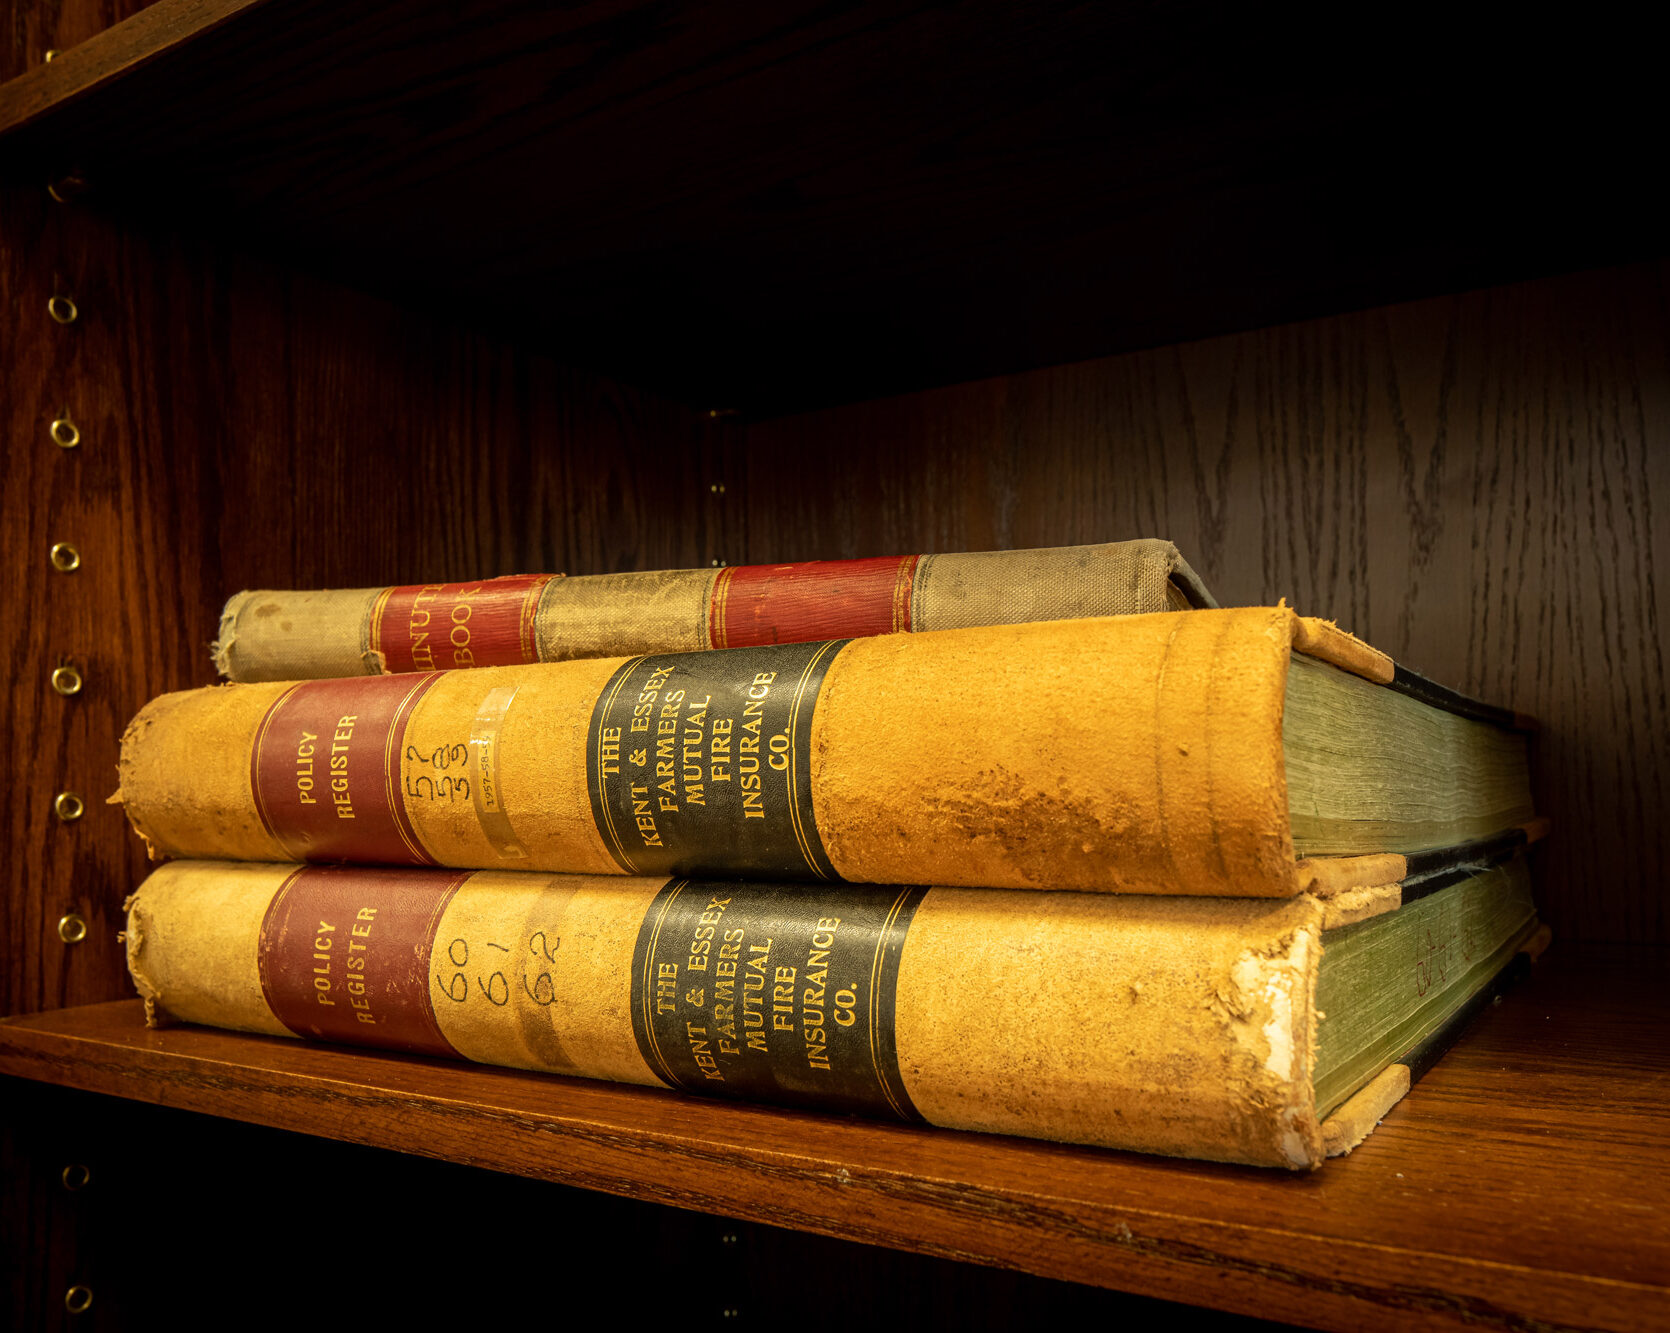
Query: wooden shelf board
(776, 206)
(1527, 1177)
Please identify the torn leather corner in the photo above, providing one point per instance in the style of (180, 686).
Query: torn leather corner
(1354, 905)
(1327, 876)
(1355, 1118)
(1327, 641)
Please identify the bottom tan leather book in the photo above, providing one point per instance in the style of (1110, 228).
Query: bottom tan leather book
(1238, 1030)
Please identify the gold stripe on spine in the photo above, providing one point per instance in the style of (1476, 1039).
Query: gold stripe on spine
(374, 629)
(263, 959)
(885, 934)
(663, 1069)
(717, 605)
(903, 582)
(618, 848)
(527, 630)
(811, 857)
(486, 791)
(255, 776)
(394, 747)
(913, 594)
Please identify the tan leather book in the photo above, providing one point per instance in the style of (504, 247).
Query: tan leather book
(1249, 752)
(1236, 1029)
(526, 618)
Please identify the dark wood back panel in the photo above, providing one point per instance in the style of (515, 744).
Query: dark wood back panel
(1478, 484)
(1468, 482)
(31, 28)
(243, 426)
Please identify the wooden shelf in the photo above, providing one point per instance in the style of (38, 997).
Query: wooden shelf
(778, 206)
(1526, 1178)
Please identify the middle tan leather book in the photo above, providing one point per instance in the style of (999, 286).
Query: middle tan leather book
(1205, 752)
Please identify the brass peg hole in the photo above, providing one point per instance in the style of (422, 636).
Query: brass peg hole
(69, 806)
(76, 1176)
(78, 1299)
(718, 563)
(718, 488)
(65, 433)
(72, 927)
(66, 680)
(67, 188)
(65, 558)
(62, 309)
(49, 55)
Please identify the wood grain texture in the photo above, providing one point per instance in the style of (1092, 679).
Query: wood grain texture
(243, 427)
(459, 1233)
(31, 28)
(1479, 485)
(1540, 1141)
(790, 204)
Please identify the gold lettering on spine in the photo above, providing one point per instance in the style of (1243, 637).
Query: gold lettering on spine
(358, 936)
(341, 797)
(304, 768)
(322, 945)
(257, 755)
(812, 1020)
(418, 628)
(458, 633)
(754, 978)
(485, 787)
(608, 759)
(660, 989)
(748, 752)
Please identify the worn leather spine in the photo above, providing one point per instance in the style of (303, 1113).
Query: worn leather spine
(1140, 754)
(1165, 1025)
(305, 635)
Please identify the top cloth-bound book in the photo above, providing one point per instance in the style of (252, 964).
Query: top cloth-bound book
(270, 636)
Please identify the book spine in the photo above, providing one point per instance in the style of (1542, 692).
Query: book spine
(1137, 754)
(1181, 1026)
(270, 636)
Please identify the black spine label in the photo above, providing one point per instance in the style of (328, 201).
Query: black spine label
(700, 763)
(775, 993)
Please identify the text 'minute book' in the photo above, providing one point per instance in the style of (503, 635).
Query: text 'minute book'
(1209, 882)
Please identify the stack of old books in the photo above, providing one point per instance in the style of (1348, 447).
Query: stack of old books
(1037, 843)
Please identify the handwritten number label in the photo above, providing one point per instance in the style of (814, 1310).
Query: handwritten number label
(543, 992)
(443, 758)
(495, 987)
(430, 786)
(457, 990)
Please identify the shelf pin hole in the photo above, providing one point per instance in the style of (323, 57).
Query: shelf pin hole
(65, 433)
(65, 558)
(69, 807)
